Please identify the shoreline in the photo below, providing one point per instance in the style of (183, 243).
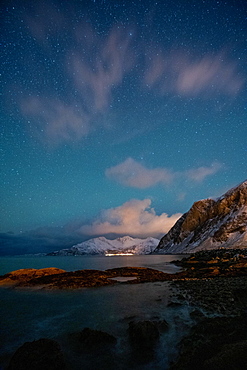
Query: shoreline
(211, 291)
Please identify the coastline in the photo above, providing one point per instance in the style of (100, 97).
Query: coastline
(209, 296)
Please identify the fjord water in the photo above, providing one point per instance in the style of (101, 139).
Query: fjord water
(72, 263)
(28, 315)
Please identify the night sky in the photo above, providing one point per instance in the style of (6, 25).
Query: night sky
(117, 115)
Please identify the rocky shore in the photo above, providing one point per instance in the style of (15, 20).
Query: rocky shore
(216, 291)
(213, 285)
(218, 339)
(52, 278)
(201, 265)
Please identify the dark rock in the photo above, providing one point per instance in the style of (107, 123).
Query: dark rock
(174, 304)
(128, 319)
(231, 357)
(162, 325)
(38, 355)
(93, 339)
(143, 334)
(72, 280)
(142, 274)
(240, 295)
(222, 295)
(208, 340)
(214, 263)
(197, 315)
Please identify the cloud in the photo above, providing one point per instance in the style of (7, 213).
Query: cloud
(42, 240)
(199, 174)
(97, 76)
(82, 67)
(93, 69)
(211, 73)
(55, 121)
(134, 218)
(174, 72)
(44, 21)
(133, 174)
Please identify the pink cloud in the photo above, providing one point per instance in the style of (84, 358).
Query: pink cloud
(175, 72)
(134, 218)
(210, 73)
(134, 174)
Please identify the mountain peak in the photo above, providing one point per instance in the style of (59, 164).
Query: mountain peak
(124, 239)
(239, 189)
(210, 224)
(101, 245)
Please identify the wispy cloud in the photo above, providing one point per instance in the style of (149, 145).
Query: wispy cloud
(55, 121)
(175, 72)
(134, 174)
(199, 174)
(95, 63)
(44, 21)
(94, 67)
(111, 58)
(134, 218)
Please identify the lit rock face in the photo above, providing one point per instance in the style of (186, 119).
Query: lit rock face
(210, 224)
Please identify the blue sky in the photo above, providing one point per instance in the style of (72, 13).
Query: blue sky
(117, 116)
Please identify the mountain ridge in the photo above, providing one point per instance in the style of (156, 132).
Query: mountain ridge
(102, 246)
(210, 224)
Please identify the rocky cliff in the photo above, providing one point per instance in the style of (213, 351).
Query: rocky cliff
(210, 224)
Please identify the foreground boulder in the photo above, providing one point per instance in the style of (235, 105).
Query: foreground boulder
(143, 334)
(215, 343)
(143, 338)
(231, 357)
(38, 355)
(93, 339)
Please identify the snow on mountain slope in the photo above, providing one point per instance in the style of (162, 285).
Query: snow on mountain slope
(210, 224)
(102, 245)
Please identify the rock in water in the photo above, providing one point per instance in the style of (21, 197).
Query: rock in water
(93, 339)
(210, 224)
(38, 355)
(143, 334)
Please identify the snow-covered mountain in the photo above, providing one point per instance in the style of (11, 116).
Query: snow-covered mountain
(104, 246)
(210, 224)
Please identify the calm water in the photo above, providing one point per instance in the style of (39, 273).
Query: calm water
(29, 315)
(72, 263)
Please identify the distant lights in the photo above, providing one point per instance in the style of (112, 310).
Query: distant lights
(118, 254)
